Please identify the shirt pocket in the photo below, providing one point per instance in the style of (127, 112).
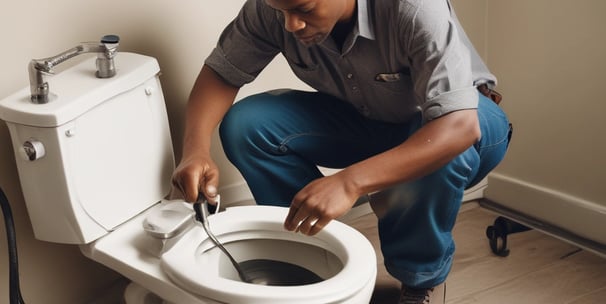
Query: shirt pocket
(397, 82)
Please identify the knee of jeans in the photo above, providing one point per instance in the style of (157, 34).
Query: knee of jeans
(230, 132)
(235, 130)
(244, 126)
(446, 183)
(460, 171)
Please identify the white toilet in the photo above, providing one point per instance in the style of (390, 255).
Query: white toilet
(95, 165)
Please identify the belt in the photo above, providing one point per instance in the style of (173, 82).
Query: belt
(490, 93)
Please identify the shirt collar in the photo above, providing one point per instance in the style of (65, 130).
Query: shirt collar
(364, 28)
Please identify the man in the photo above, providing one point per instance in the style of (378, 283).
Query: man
(397, 107)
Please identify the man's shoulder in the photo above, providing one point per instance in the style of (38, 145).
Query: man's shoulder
(256, 13)
(422, 11)
(400, 9)
(260, 6)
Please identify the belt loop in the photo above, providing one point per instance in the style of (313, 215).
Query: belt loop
(490, 93)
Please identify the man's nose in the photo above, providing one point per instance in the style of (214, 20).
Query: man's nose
(293, 23)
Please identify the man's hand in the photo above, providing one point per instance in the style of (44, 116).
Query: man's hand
(195, 174)
(318, 203)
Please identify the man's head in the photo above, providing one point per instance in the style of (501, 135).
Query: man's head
(311, 21)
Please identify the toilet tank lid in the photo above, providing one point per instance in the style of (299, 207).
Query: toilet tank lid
(77, 90)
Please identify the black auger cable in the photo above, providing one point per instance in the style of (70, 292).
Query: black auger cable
(11, 237)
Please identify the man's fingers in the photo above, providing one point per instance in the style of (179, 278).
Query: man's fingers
(210, 192)
(299, 219)
(187, 185)
(306, 225)
(210, 183)
(312, 225)
(295, 216)
(175, 193)
(177, 182)
(319, 225)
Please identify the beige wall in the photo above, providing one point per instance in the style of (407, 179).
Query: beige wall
(549, 57)
(551, 66)
(180, 34)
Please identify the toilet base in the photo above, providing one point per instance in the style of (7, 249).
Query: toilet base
(135, 263)
(136, 294)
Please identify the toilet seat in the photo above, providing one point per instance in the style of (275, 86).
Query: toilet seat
(191, 265)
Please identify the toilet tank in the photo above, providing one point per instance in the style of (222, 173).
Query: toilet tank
(103, 149)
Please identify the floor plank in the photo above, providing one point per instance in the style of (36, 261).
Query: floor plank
(558, 282)
(539, 269)
(598, 296)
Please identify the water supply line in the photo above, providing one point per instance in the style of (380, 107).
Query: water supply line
(11, 237)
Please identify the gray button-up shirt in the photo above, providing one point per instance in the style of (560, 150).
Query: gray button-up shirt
(403, 56)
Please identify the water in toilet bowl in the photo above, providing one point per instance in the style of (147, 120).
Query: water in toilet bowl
(273, 262)
(277, 273)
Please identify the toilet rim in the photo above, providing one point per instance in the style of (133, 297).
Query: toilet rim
(350, 246)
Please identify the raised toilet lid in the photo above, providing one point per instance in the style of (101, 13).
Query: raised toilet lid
(190, 264)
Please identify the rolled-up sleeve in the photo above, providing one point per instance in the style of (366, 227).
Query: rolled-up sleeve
(441, 64)
(247, 45)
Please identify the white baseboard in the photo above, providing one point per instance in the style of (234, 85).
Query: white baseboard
(560, 211)
(476, 192)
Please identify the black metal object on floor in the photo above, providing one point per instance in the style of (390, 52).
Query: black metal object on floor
(497, 234)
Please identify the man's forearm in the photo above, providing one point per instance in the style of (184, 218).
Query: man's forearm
(430, 148)
(209, 100)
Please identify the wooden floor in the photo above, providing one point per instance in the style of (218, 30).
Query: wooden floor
(539, 268)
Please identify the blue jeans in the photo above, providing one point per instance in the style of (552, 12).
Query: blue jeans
(277, 140)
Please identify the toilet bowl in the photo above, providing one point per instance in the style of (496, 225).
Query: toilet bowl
(100, 153)
(186, 268)
(340, 255)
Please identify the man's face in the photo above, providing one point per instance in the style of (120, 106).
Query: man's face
(311, 21)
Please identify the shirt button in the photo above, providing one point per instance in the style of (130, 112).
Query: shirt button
(355, 88)
(349, 76)
(365, 111)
